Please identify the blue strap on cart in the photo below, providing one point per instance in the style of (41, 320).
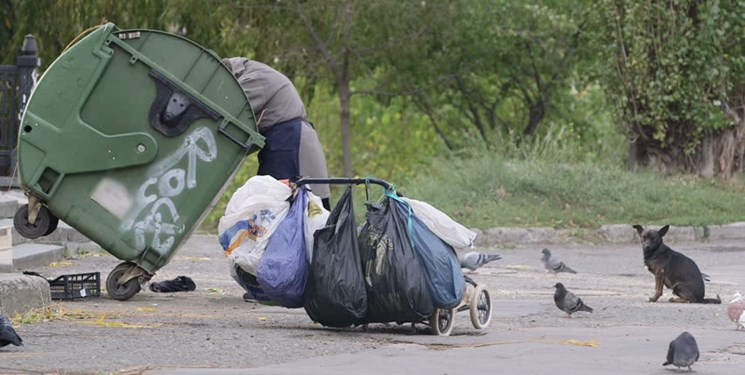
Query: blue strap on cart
(440, 262)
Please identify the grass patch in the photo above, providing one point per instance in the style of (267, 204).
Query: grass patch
(50, 313)
(75, 251)
(491, 191)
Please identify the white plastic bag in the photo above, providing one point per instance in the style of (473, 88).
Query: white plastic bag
(316, 217)
(251, 216)
(450, 231)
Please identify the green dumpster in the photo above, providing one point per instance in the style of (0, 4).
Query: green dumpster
(130, 137)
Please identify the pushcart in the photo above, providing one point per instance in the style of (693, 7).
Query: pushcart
(130, 137)
(476, 299)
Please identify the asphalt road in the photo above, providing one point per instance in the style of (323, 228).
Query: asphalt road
(212, 330)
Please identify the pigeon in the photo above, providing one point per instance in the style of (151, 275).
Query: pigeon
(554, 264)
(567, 302)
(7, 334)
(474, 260)
(735, 310)
(683, 351)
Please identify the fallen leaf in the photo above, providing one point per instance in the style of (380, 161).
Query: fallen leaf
(63, 263)
(146, 309)
(590, 343)
(193, 258)
(261, 319)
(102, 322)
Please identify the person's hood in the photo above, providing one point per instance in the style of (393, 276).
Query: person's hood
(237, 65)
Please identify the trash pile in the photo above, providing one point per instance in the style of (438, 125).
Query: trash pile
(285, 249)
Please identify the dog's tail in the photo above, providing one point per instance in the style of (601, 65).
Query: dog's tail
(713, 300)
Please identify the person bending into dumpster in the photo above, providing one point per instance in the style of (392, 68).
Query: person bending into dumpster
(292, 147)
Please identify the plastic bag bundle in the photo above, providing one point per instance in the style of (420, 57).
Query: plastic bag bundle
(251, 216)
(397, 289)
(283, 269)
(447, 229)
(335, 294)
(316, 217)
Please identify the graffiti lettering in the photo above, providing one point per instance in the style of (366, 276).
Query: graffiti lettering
(154, 214)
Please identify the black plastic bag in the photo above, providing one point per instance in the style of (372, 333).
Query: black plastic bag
(335, 294)
(397, 289)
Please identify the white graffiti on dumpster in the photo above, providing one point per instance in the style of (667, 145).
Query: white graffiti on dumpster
(154, 214)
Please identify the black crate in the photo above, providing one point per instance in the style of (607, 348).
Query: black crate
(82, 285)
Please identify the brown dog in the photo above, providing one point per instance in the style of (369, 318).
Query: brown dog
(671, 268)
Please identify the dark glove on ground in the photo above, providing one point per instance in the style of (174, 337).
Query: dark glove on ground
(179, 284)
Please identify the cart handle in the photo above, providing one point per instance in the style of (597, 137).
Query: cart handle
(341, 180)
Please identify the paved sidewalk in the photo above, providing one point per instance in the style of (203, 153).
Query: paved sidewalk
(532, 351)
(213, 331)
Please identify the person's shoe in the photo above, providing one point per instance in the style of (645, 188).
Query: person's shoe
(247, 297)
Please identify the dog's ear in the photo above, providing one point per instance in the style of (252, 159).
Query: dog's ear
(639, 229)
(663, 230)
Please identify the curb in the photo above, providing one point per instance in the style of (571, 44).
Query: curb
(613, 233)
(21, 293)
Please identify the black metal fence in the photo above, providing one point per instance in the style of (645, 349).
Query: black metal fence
(16, 83)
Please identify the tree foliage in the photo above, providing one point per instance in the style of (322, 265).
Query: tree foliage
(678, 81)
(56, 23)
(493, 69)
(386, 78)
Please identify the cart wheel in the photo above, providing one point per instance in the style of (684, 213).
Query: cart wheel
(480, 307)
(442, 322)
(124, 291)
(45, 223)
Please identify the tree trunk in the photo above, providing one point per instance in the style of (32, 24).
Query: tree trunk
(535, 116)
(424, 105)
(344, 99)
(632, 161)
(472, 109)
(706, 161)
(720, 154)
(728, 149)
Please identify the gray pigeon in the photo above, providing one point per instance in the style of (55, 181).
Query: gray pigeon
(474, 260)
(683, 351)
(554, 264)
(7, 334)
(567, 302)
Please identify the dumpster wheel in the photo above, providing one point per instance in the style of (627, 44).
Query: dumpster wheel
(44, 224)
(126, 290)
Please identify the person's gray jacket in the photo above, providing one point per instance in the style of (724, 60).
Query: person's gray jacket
(273, 97)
